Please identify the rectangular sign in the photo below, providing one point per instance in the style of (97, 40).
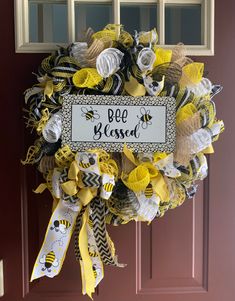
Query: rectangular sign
(145, 124)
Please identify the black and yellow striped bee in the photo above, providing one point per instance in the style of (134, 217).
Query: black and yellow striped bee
(92, 251)
(91, 114)
(90, 222)
(49, 260)
(61, 225)
(145, 118)
(96, 271)
(149, 191)
(108, 186)
(86, 161)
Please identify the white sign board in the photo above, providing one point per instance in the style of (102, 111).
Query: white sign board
(145, 124)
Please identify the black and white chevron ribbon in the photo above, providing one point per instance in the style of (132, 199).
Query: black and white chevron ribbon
(99, 228)
(91, 179)
(76, 234)
(68, 198)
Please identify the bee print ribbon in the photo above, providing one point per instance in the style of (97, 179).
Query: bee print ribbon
(60, 228)
(149, 204)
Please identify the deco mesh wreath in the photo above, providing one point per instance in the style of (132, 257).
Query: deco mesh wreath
(93, 187)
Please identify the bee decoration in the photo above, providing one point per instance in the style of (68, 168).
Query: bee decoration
(92, 251)
(149, 191)
(108, 187)
(86, 161)
(91, 114)
(61, 225)
(49, 260)
(145, 118)
(97, 271)
(90, 222)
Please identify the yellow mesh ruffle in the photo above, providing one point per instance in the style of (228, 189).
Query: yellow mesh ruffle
(86, 78)
(138, 179)
(191, 74)
(162, 56)
(107, 34)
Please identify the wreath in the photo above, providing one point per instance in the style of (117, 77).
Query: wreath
(93, 187)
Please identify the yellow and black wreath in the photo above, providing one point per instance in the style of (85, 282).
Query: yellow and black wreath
(92, 186)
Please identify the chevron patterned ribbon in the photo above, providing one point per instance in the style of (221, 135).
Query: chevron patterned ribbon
(76, 233)
(97, 264)
(100, 232)
(91, 179)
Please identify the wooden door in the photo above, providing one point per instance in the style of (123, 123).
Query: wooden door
(188, 255)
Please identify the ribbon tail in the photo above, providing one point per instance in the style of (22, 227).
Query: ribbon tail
(76, 234)
(57, 238)
(88, 277)
(104, 244)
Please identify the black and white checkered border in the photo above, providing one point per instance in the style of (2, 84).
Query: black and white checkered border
(148, 147)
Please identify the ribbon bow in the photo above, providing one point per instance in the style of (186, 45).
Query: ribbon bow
(74, 187)
(78, 208)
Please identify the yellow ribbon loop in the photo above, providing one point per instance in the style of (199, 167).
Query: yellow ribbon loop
(70, 187)
(86, 195)
(153, 171)
(129, 154)
(161, 188)
(138, 178)
(75, 186)
(73, 171)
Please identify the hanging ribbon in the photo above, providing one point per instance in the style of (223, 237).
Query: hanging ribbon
(76, 187)
(100, 233)
(88, 277)
(60, 228)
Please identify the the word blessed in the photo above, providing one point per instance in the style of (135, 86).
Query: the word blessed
(117, 116)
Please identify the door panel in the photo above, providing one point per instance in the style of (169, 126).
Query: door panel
(188, 255)
(172, 252)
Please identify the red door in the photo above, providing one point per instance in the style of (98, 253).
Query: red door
(188, 255)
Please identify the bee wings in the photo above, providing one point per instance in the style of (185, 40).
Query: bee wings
(55, 262)
(42, 259)
(62, 229)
